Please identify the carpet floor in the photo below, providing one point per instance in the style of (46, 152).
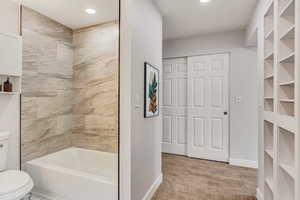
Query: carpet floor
(196, 179)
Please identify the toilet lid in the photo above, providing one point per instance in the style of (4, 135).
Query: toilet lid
(11, 181)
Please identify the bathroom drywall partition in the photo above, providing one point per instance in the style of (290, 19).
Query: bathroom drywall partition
(46, 105)
(95, 87)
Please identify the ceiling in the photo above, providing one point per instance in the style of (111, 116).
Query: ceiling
(71, 13)
(186, 18)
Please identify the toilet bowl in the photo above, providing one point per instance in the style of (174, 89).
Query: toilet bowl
(14, 184)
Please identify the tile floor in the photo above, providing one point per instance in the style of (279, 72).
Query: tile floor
(195, 179)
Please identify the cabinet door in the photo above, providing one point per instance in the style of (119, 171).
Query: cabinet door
(10, 54)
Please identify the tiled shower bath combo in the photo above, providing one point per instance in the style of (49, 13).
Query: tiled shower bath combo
(69, 108)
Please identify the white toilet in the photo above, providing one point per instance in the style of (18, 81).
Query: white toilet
(14, 185)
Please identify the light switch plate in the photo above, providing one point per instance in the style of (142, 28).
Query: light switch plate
(238, 99)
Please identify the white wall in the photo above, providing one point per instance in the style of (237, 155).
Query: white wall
(146, 133)
(243, 81)
(10, 105)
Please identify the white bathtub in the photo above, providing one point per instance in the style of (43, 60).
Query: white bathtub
(75, 174)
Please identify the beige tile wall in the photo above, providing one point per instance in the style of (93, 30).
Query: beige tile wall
(46, 109)
(69, 86)
(95, 83)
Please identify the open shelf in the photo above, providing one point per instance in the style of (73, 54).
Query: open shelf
(286, 94)
(288, 33)
(286, 150)
(268, 138)
(268, 193)
(269, 87)
(269, 69)
(269, 48)
(288, 83)
(286, 49)
(286, 7)
(286, 185)
(269, 105)
(9, 93)
(269, 55)
(269, 21)
(281, 100)
(15, 80)
(287, 108)
(286, 73)
(268, 165)
(286, 25)
(289, 170)
(269, 94)
(270, 35)
(286, 91)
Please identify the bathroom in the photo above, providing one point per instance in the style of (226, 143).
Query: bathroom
(62, 89)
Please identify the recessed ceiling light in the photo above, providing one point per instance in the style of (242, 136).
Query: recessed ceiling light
(205, 1)
(90, 11)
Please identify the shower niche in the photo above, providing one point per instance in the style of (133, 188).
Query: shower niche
(69, 104)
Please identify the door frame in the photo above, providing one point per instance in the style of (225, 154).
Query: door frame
(229, 53)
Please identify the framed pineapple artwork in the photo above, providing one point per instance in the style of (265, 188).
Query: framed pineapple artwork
(151, 104)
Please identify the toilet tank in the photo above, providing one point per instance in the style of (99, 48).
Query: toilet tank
(4, 137)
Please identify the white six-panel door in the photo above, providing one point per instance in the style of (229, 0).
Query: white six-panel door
(174, 106)
(208, 107)
(195, 106)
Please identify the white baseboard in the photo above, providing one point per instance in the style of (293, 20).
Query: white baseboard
(259, 195)
(153, 188)
(244, 163)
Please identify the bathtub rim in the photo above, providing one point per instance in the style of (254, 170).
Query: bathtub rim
(41, 162)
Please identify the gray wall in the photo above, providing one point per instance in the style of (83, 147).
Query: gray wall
(146, 133)
(243, 82)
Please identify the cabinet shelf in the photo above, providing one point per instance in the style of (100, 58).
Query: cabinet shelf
(270, 34)
(269, 98)
(286, 185)
(268, 194)
(9, 93)
(270, 152)
(270, 76)
(269, 56)
(11, 75)
(14, 80)
(288, 34)
(288, 58)
(287, 8)
(286, 147)
(269, 183)
(289, 170)
(286, 49)
(287, 100)
(287, 83)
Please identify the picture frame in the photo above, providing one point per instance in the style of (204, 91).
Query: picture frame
(151, 91)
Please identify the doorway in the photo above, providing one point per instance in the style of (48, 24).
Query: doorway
(196, 107)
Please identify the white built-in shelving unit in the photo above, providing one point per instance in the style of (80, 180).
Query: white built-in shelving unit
(281, 100)
(11, 62)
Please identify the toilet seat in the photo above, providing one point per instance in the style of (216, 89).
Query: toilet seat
(14, 185)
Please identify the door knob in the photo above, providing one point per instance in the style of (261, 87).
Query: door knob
(225, 113)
